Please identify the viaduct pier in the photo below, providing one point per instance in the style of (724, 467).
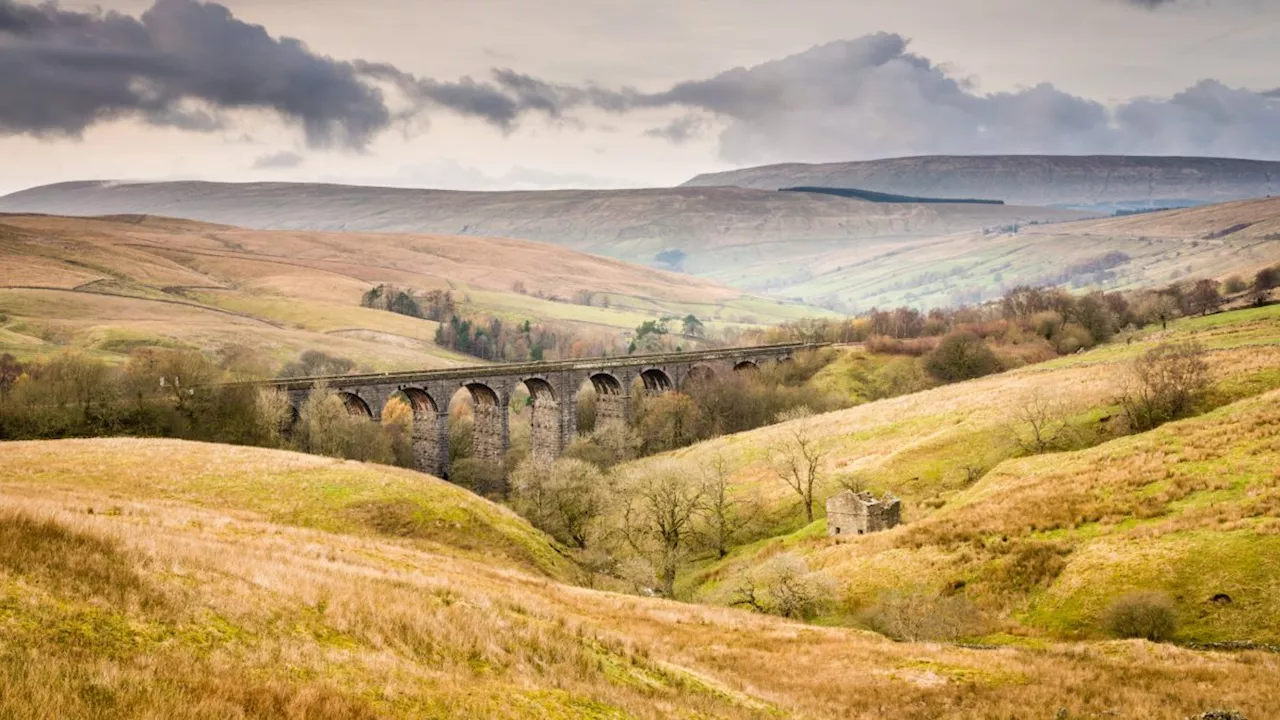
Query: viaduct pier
(553, 388)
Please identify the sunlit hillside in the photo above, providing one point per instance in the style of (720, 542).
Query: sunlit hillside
(1125, 253)
(113, 284)
(1042, 542)
(259, 584)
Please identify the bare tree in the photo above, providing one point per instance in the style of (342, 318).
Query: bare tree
(1204, 297)
(1157, 307)
(1041, 426)
(726, 515)
(660, 505)
(797, 457)
(563, 498)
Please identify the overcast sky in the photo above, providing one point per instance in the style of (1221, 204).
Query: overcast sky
(553, 93)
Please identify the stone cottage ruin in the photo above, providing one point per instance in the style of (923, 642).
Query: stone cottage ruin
(851, 513)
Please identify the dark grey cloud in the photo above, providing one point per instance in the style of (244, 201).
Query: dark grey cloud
(1150, 4)
(284, 160)
(188, 64)
(871, 97)
(63, 71)
(184, 62)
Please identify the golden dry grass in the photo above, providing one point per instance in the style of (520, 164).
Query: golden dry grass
(1043, 544)
(110, 284)
(163, 604)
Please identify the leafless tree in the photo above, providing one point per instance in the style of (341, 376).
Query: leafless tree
(796, 459)
(1041, 426)
(660, 506)
(563, 498)
(726, 514)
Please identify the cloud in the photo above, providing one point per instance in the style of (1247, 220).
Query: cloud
(63, 71)
(870, 97)
(183, 63)
(283, 160)
(190, 64)
(679, 131)
(1150, 4)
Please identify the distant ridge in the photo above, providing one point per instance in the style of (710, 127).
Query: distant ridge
(1103, 183)
(879, 197)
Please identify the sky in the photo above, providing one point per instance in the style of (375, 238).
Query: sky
(530, 94)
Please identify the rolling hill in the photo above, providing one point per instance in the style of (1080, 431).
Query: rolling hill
(1124, 253)
(751, 239)
(1087, 182)
(108, 285)
(1042, 543)
(260, 584)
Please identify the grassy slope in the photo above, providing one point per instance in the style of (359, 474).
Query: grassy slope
(1163, 247)
(287, 488)
(108, 285)
(921, 447)
(229, 586)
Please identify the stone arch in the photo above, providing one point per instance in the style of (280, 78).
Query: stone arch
(747, 366)
(700, 374)
(491, 438)
(656, 381)
(430, 434)
(421, 401)
(547, 431)
(540, 390)
(606, 384)
(356, 405)
(613, 399)
(482, 395)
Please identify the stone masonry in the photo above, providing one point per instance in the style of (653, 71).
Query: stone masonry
(850, 513)
(554, 387)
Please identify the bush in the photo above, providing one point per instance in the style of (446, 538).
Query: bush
(961, 356)
(482, 477)
(1235, 285)
(314, 363)
(1148, 615)
(562, 498)
(1167, 382)
(919, 616)
(785, 586)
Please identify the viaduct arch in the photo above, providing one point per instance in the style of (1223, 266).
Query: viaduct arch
(553, 388)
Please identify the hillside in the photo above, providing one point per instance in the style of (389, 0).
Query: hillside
(1041, 544)
(750, 239)
(270, 587)
(111, 284)
(1088, 182)
(1124, 253)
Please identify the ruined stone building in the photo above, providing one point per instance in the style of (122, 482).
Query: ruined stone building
(850, 513)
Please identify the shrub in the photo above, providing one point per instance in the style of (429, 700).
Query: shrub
(562, 498)
(920, 616)
(961, 356)
(1167, 382)
(900, 376)
(785, 586)
(1234, 285)
(482, 477)
(1149, 615)
(314, 363)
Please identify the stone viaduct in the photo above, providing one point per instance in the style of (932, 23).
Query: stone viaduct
(553, 387)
